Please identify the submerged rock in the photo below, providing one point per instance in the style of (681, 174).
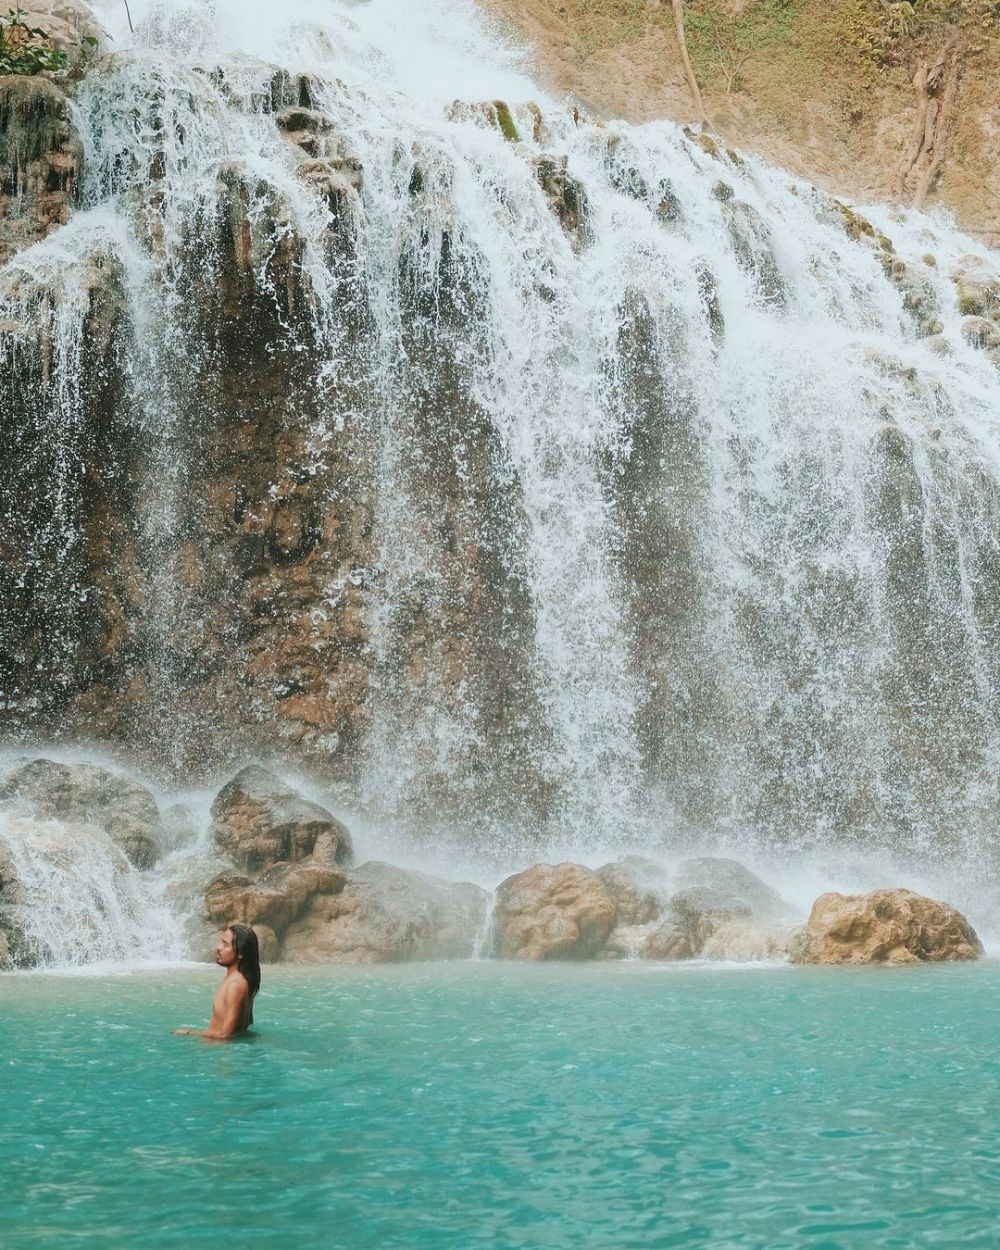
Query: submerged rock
(552, 912)
(259, 821)
(89, 794)
(884, 927)
(386, 914)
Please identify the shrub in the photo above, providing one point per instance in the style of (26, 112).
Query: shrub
(27, 49)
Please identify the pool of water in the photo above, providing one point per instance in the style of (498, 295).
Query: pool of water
(490, 1105)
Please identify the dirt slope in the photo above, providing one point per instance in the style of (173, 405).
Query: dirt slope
(822, 87)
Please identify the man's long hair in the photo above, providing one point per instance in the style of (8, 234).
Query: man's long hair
(247, 955)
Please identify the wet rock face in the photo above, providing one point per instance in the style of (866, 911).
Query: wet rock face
(386, 914)
(734, 878)
(88, 794)
(552, 912)
(259, 821)
(636, 901)
(273, 898)
(40, 161)
(884, 927)
(565, 195)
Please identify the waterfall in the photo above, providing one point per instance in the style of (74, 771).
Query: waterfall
(522, 474)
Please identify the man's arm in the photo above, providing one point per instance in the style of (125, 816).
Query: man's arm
(226, 1011)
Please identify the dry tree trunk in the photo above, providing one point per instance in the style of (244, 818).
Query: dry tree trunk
(940, 138)
(699, 103)
(919, 122)
(935, 88)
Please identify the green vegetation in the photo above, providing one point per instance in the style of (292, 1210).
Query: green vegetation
(722, 42)
(505, 121)
(27, 49)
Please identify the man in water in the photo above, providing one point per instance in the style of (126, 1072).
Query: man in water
(232, 1011)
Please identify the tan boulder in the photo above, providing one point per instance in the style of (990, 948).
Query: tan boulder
(552, 912)
(636, 900)
(273, 898)
(5, 960)
(668, 941)
(258, 821)
(884, 927)
(386, 914)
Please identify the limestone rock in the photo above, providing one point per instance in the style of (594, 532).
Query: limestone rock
(636, 902)
(753, 249)
(267, 943)
(552, 912)
(699, 911)
(66, 22)
(88, 794)
(732, 877)
(274, 897)
(746, 940)
(627, 941)
(386, 914)
(41, 156)
(5, 961)
(8, 876)
(668, 941)
(884, 927)
(564, 194)
(258, 821)
(977, 288)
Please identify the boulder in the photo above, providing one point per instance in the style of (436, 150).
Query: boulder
(884, 927)
(5, 960)
(635, 900)
(977, 288)
(746, 940)
(273, 898)
(732, 877)
(699, 911)
(8, 876)
(668, 941)
(386, 914)
(258, 821)
(268, 944)
(626, 941)
(552, 912)
(88, 794)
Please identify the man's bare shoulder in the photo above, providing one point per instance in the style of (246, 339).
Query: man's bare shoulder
(234, 988)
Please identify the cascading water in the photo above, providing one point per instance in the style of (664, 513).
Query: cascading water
(545, 478)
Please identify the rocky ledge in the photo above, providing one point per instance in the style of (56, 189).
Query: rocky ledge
(283, 863)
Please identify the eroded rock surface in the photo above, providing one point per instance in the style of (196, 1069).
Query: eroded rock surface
(386, 914)
(636, 899)
(734, 878)
(884, 927)
(40, 161)
(259, 821)
(552, 912)
(88, 794)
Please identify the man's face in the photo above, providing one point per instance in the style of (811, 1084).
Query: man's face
(225, 952)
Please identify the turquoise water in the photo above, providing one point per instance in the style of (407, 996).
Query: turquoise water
(484, 1105)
